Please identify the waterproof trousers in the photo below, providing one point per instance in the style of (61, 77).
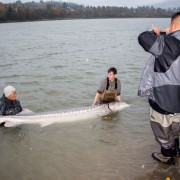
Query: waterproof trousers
(166, 129)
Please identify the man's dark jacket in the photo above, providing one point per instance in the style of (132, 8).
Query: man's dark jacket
(160, 82)
(8, 107)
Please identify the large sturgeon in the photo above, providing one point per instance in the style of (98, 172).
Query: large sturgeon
(69, 115)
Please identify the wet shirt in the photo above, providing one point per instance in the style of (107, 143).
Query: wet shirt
(8, 107)
(103, 85)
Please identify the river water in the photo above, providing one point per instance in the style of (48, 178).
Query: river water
(58, 65)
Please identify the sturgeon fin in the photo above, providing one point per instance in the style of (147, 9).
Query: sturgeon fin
(105, 113)
(10, 124)
(43, 124)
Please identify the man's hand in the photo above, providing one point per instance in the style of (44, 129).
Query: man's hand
(167, 30)
(119, 98)
(156, 30)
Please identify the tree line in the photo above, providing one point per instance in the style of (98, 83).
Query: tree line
(60, 10)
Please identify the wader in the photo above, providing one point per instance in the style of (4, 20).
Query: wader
(166, 130)
(109, 95)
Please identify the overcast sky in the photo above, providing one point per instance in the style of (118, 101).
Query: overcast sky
(129, 3)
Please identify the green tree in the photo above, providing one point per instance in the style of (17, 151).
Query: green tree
(3, 11)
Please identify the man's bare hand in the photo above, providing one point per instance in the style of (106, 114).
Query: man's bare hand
(156, 30)
(119, 98)
(167, 30)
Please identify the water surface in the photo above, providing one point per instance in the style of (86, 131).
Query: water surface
(58, 65)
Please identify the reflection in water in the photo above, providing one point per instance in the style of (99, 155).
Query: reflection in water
(110, 117)
(14, 135)
(109, 128)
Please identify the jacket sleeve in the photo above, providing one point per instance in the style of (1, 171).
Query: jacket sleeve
(151, 42)
(102, 86)
(2, 108)
(17, 107)
(118, 87)
(10, 111)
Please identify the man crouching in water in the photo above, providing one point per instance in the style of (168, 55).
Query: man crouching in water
(8, 103)
(109, 89)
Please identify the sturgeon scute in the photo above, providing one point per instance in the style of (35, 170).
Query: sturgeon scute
(69, 115)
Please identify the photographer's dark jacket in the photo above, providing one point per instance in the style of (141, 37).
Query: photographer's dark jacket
(8, 107)
(160, 82)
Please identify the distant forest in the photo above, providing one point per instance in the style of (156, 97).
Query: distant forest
(31, 11)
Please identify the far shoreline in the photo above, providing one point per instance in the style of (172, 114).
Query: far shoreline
(58, 19)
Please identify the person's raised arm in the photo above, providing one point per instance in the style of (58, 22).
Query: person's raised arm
(152, 41)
